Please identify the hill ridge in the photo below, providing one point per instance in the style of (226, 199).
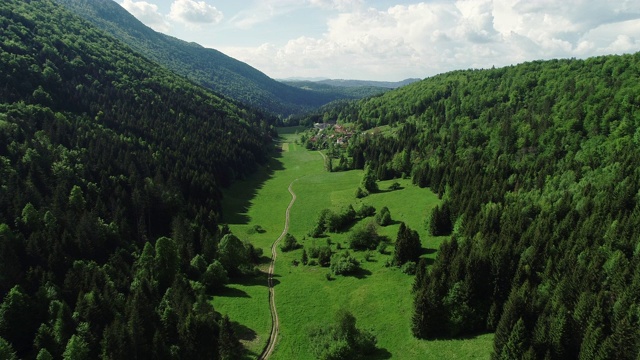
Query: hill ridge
(207, 67)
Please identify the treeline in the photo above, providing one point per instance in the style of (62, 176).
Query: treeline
(537, 165)
(110, 176)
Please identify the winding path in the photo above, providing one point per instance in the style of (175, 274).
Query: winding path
(324, 157)
(275, 322)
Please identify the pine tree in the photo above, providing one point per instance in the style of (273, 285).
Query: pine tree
(167, 262)
(591, 341)
(427, 321)
(230, 347)
(44, 354)
(369, 181)
(407, 247)
(421, 274)
(6, 350)
(383, 218)
(440, 221)
(77, 349)
(510, 314)
(515, 348)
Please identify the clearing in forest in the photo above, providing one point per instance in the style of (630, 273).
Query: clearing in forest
(379, 296)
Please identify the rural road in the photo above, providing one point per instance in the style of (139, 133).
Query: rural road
(275, 322)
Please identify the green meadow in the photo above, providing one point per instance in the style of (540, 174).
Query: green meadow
(379, 296)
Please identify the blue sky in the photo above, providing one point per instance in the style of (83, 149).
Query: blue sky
(392, 39)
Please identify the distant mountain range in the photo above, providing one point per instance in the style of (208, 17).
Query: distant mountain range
(349, 92)
(354, 89)
(295, 81)
(356, 83)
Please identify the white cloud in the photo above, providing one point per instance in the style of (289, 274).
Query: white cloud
(147, 13)
(194, 13)
(341, 5)
(423, 39)
(263, 11)
(621, 37)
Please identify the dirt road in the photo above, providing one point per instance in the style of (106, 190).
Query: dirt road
(275, 322)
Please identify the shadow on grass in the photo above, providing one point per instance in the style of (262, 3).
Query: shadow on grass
(249, 355)
(384, 191)
(361, 274)
(231, 292)
(243, 332)
(258, 280)
(380, 354)
(472, 336)
(395, 222)
(427, 251)
(239, 197)
(264, 260)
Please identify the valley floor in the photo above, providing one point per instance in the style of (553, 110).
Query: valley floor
(379, 296)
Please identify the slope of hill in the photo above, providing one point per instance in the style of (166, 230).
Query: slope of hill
(207, 67)
(347, 92)
(110, 175)
(537, 165)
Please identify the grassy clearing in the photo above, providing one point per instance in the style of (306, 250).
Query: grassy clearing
(379, 296)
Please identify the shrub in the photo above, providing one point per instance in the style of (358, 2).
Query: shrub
(366, 211)
(382, 248)
(368, 256)
(344, 264)
(321, 224)
(340, 222)
(253, 252)
(384, 217)
(314, 251)
(233, 255)
(215, 276)
(395, 186)
(289, 243)
(324, 256)
(409, 268)
(364, 238)
(256, 229)
(342, 339)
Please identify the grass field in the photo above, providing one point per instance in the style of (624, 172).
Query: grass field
(379, 296)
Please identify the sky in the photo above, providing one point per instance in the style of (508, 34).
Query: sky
(391, 40)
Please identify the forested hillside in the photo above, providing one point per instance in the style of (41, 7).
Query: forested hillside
(110, 176)
(538, 166)
(347, 92)
(207, 67)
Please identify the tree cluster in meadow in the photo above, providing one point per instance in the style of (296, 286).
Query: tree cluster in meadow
(537, 165)
(342, 340)
(110, 176)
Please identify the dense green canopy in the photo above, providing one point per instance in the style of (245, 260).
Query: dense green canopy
(539, 168)
(110, 175)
